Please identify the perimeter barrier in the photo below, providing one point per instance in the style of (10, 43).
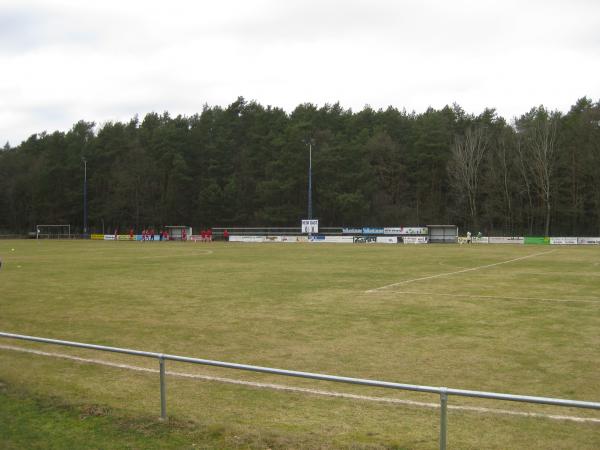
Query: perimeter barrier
(443, 392)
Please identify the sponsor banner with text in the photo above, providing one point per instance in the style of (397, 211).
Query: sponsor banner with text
(386, 240)
(506, 240)
(406, 231)
(352, 230)
(563, 241)
(286, 238)
(97, 237)
(481, 240)
(588, 241)
(415, 239)
(333, 239)
(246, 238)
(368, 230)
(423, 231)
(294, 238)
(365, 239)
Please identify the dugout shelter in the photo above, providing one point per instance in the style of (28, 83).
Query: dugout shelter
(177, 232)
(443, 234)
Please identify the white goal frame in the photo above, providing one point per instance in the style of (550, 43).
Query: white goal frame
(45, 232)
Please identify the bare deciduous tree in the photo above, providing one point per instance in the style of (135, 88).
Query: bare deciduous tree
(503, 160)
(524, 169)
(539, 133)
(465, 167)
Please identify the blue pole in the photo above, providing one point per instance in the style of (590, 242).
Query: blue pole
(84, 198)
(310, 180)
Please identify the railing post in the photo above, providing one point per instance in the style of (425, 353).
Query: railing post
(443, 417)
(163, 393)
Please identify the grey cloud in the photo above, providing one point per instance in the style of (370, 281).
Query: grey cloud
(312, 21)
(23, 30)
(393, 26)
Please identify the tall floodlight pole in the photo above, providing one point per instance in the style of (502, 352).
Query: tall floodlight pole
(85, 227)
(309, 179)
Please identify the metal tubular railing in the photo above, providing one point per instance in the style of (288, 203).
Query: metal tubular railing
(443, 392)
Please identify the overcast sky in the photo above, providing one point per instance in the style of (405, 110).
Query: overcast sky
(63, 61)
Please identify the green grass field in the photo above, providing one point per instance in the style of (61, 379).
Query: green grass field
(529, 326)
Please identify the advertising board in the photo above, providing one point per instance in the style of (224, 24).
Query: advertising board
(340, 239)
(365, 239)
(351, 230)
(423, 231)
(404, 231)
(246, 238)
(294, 238)
(332, 239)
(367, 230)
(386, 240)
(537, 240)
(481, 240)
(506, 240)
(97, 237)
(415, 240)
(588, 241)
(563, 241)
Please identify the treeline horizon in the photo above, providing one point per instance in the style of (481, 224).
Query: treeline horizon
(247, 165)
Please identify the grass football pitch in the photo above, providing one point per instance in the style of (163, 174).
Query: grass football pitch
(525, 320)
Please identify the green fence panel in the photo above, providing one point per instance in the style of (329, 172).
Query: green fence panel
(535, 240)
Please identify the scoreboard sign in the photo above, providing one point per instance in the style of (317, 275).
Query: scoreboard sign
(310, 226)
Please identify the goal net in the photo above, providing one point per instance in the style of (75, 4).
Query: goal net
(53, 231)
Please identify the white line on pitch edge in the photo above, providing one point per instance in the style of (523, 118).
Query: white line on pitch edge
(282, 387)
(501, 297)
(454, 273)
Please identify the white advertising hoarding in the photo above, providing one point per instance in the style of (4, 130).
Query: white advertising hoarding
(333, 239)
(563, 241)
(386, 240)
(506, 240)
(415, 239)
(588, 241)
(405, 230)
(286, 239)
(246, 238)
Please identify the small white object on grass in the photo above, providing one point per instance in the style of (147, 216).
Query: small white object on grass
(12, 249)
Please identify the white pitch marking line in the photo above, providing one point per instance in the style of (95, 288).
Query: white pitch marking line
(282, 387)
(370, 291)
(177, 255)
(494, 297)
